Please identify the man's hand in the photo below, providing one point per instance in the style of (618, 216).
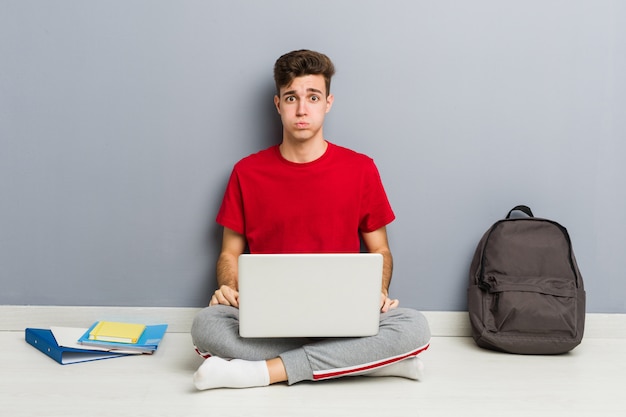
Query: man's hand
(387, 303)
(225, 295)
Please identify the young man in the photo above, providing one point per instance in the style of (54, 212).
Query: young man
(305, 195)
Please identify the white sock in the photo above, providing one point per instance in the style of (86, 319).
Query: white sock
(219, 373)
(411, 368)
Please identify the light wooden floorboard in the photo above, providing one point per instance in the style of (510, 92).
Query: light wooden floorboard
(460, 380)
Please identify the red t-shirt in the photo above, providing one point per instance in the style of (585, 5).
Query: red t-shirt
(316, 207)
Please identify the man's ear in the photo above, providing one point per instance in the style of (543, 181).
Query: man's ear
(329, 102)
(277, 103)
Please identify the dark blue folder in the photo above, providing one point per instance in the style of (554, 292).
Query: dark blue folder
(44, 341)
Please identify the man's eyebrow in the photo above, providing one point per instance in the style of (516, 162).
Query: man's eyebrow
(310, 90)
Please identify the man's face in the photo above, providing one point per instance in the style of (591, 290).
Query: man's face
(302, 106)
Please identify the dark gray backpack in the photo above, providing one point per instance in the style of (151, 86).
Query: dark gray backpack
(525, 290)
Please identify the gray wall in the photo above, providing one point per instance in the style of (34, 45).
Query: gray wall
(120, 122)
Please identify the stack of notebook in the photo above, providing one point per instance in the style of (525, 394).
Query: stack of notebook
(103, 340)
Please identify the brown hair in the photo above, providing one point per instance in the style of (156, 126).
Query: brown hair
(299, 63)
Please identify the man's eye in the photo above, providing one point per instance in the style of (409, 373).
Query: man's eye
(291, 99)
(315, 98)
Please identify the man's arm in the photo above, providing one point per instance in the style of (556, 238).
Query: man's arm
(233, 245)
(376, 242)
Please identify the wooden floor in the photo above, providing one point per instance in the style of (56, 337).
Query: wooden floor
(460, 380)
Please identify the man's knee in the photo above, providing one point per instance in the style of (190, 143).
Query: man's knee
(412, 326)
(212, 325)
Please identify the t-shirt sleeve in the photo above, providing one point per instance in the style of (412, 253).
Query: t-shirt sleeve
(376, 210)
(231, 213)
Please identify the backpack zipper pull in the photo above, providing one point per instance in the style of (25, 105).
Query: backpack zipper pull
(484, 285)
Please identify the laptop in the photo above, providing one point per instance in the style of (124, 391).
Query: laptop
(309, 295)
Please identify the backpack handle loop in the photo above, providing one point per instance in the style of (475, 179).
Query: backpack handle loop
(525, 209)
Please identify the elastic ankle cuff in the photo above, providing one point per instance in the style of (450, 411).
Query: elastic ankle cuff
(297, 366)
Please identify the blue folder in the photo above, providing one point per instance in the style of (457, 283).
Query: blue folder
(147, 343)
(44, 341)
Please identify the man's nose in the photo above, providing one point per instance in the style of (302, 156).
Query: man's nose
(302, 108)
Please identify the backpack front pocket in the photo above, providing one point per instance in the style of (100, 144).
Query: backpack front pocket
(529, 305)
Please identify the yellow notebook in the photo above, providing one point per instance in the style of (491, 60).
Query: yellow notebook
(111, 331)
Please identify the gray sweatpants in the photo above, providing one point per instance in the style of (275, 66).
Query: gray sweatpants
(403, 333)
